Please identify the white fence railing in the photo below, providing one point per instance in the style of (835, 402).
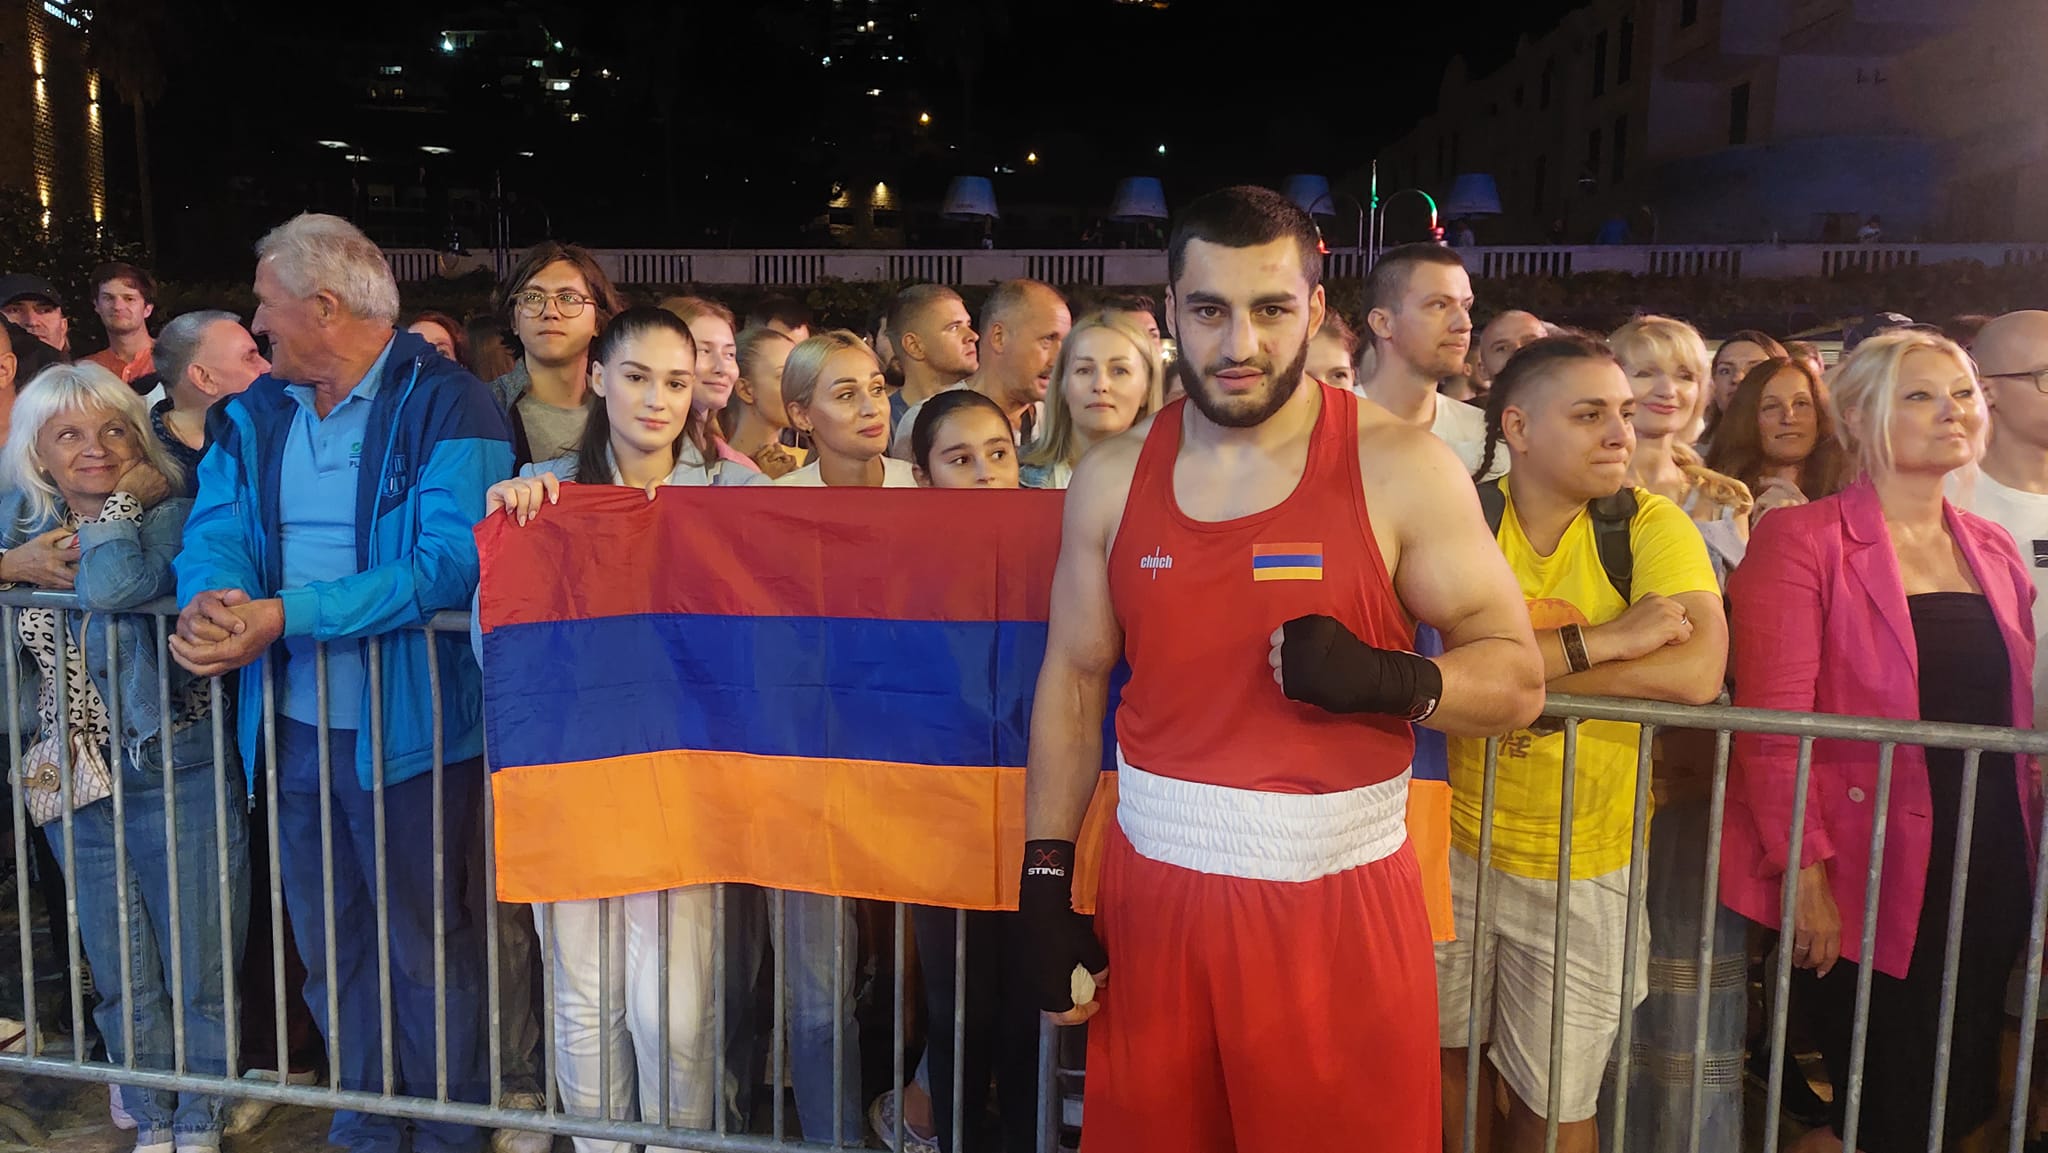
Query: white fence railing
(797, 266)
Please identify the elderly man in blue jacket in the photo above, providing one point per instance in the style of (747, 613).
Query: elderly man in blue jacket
(334, 510)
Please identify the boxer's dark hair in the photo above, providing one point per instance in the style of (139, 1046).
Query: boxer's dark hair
(1241, 217)
(1532, 360)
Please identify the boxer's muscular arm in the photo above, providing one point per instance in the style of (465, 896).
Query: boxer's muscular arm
(1450, 574)
(1082, 647)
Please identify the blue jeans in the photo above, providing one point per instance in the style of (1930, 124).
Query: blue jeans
(814, 1004)
(355, 1039)
(150, 1000)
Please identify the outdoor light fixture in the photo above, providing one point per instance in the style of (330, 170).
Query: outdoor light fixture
(970, 198)
(332, 143)
(435, 149)
(924, 118)
(1472, 194)
(356, 158)
(447, 44)
(1162, 150)
(874, 92)
(1138, 198)
(528, 155)
(1031, 158)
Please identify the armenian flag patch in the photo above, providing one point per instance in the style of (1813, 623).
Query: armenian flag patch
(1287, 562)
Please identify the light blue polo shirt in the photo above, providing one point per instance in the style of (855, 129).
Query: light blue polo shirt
(323, 459)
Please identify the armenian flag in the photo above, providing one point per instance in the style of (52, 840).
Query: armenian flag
(1287, 562)
(826, 690)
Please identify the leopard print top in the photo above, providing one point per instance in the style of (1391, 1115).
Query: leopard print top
(39, 633)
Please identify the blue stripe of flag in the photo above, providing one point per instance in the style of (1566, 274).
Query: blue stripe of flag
(1290, 560)
(917, 692)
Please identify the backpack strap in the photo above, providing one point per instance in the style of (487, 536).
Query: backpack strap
(1612, 517)
(1494, 503)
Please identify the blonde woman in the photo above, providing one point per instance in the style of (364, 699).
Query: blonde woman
(1885, 600)
(1667, 367)
(1106, 380)
(88, 509)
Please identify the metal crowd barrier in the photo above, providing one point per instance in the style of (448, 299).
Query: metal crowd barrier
(71, 1061)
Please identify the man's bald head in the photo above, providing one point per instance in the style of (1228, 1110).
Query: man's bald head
(2012, 363)
(2014, 343)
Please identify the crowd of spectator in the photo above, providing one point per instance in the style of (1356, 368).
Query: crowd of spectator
(1859, 538)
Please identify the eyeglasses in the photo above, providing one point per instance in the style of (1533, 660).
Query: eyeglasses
(533, 302)
(2038, 376)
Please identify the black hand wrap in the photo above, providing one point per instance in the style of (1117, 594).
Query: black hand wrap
(1059, 937)
(1323, 664)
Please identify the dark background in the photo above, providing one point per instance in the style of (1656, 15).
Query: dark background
(720, 126)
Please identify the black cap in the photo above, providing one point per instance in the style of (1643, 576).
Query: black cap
(16, 285)
(1872, 324)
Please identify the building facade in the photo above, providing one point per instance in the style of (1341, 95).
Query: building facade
(51, 136)
(1750, 120)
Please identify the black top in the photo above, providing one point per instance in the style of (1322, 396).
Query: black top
(1966, 678)
(188, 458)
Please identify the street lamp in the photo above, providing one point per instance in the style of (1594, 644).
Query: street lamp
(924, 118)
(1312, 195)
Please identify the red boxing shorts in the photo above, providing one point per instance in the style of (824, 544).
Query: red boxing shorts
(1272, 985)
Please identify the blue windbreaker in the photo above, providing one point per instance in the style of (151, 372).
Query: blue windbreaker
(436, 441)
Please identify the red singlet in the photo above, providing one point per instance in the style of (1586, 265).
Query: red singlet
(1199, 601)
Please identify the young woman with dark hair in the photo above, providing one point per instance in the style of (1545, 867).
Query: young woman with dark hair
(1733, 360)
(642, 373)
(962, 439)
(1777, 436)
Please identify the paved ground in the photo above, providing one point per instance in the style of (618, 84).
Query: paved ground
(74, 1116)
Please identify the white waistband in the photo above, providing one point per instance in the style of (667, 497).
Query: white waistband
(1257, 835)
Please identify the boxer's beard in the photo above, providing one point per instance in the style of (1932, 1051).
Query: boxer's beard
(1248, 411)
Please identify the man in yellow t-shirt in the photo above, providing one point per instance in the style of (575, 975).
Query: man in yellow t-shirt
(1564, 411)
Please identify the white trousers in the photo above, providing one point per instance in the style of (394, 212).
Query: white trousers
(607, 1010)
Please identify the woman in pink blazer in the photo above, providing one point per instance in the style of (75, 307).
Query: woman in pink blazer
(1884, 600)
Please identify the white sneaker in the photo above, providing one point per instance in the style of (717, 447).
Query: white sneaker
(123, 1119)
(522, 1140)
(156, 1146)
(245, 1114)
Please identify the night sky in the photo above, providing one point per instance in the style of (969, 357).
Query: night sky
(1238, 92)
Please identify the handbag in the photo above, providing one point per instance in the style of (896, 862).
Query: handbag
(42, 777)
(41, 772)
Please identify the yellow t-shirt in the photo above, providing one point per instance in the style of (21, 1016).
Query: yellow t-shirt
(1570, 587)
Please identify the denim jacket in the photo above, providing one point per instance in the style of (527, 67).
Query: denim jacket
(123, 565)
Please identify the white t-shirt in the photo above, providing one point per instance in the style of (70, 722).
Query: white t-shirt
(895, 474)
(1463, 427)
(2025, 516)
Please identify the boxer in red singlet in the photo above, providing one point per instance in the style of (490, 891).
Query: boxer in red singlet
(1259, 553)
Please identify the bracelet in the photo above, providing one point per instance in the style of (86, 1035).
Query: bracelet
(1574, 640)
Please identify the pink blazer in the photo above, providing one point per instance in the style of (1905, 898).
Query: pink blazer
(1820, 625)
